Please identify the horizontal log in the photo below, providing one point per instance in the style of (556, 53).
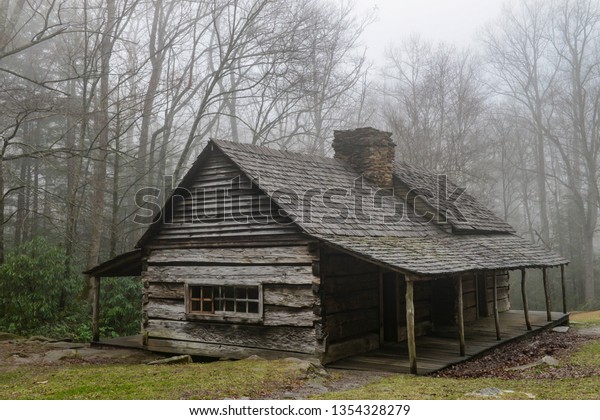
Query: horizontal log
(348, 324)
(165, 290)
(469, 285)
(241, 275)
(349, 302)
(344, 264)
(218, 350)
(298, 339)
(246, 255)
(421, 328)
(350, 347)
(165, 309)
(469, 299)
(174, 310)
(291, 296)
(470, 314)
(297, 317)
(349, 283)
(232, 241)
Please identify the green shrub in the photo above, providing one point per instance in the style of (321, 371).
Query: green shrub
(36, 298)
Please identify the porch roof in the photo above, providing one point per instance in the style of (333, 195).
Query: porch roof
(125, 265)
(449, 255)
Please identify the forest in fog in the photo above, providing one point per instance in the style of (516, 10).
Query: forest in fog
(99, 98)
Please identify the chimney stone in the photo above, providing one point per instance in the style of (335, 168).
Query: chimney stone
(369, 151)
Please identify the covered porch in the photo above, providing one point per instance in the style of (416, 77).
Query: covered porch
(438, 350)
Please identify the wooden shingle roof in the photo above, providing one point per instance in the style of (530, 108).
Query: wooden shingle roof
(464, 212)
(321, 196)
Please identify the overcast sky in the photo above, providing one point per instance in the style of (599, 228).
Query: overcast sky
(452, 21)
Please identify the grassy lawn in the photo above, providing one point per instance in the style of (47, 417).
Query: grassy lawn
(589, 319)
(219, 380)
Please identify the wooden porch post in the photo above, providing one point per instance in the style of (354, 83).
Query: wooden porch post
(547, 294)
(96, 309)
(562, 286)
(524, 294)
(496, 317)
(410, 326)
(461, 320)
(381, 314)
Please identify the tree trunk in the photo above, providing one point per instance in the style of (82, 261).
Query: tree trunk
(99, 175)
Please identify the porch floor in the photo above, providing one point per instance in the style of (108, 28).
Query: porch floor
(438, 350)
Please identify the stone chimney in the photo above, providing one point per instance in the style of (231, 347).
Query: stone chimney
(369, 151)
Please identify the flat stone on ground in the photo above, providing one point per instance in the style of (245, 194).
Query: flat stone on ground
(560, 329)
(67, 345)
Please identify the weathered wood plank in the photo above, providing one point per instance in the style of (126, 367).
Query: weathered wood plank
(343, 264)
(547, 294)
(297, 317)
(563, 289)
(301, 296)
(349, 302)
(225, 275)
(461, 320)
(350, 347)
(347, 324)
(165, 309)
(496, 317)
(218, 350)
(174, 310)
(349, 283)
(96, 309)
(165, 290)
(246, 255)
(260, 337)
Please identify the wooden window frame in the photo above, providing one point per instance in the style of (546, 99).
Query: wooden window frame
(220, 315)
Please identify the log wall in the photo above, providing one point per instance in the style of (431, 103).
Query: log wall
(285, 275)
(348, 309)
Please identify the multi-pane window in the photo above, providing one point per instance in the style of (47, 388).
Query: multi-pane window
(223, 300)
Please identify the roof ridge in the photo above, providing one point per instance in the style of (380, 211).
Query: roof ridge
(289, 154)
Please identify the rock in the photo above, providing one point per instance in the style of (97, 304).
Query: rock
(486, 392)
(186, 358)
(57, 355)
(550, 361)
(67, 345)
(5, 336)
(546, 360)
(308, 367)
(254, 357)
(560, 329)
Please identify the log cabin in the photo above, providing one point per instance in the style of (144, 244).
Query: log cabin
(275, 253)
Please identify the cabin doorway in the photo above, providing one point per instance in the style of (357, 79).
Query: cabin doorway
(482, 310)
(443, 300)
(393, 307)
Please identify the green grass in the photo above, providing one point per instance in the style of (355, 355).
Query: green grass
(585, 319)
(588, 355)
(219, 380)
